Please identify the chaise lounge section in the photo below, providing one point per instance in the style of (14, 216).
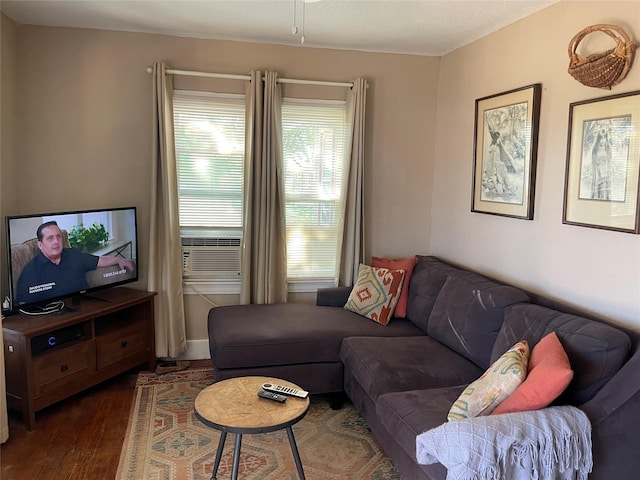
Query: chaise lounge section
(297, 342)
(404, 377)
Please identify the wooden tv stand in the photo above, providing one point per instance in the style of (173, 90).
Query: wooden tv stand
(51, 357)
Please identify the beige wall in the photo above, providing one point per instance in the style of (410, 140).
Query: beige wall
(596, 270)
(7, 137)
(7, 192)
(83, 133)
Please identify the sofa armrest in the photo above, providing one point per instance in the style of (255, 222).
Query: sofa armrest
(332, 296)
(621, 390)
(613, 412)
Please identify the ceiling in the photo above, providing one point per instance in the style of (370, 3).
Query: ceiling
(420, 27)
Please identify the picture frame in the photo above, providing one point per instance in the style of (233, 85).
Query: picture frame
(505, 152)
(602, 177)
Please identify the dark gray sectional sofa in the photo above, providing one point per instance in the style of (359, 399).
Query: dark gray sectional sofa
(404, 377)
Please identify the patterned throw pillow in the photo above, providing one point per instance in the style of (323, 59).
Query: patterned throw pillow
(406, 264)
(375, 293)
(500, 380)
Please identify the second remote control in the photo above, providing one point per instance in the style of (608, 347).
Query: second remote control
(294, 392)
(272, 396)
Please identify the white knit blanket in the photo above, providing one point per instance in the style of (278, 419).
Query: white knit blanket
(549, 444)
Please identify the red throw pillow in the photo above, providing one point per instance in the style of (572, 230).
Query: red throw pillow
(406, 264)
(549, 374)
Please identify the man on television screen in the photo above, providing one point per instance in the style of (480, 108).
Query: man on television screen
(57, 271)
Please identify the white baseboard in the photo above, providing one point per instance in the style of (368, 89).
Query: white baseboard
(196, 350)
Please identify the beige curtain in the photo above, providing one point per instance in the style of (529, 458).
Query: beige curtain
(165, 252)
(351, 250)
(264, 266)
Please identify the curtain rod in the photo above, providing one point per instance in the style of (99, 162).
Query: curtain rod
(247, 77)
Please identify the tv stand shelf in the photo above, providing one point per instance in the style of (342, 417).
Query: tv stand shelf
(51, 357)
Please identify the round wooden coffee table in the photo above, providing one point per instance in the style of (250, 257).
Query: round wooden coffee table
(233, 406)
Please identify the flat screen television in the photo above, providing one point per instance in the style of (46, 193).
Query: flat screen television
(62, 254)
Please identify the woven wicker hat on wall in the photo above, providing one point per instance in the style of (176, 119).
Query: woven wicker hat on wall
(602, 70)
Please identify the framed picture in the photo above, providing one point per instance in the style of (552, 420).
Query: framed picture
(603, 157)
(504, 153)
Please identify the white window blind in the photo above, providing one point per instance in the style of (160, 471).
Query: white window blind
(315, 141)
(209, 138)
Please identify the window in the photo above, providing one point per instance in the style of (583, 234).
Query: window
(209, 139)
(314, 145)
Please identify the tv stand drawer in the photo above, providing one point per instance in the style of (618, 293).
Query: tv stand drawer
(62, 366)
(115, 346)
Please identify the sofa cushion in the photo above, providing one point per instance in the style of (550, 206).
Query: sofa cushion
(405, 264)
(548, 374)
(405, 415)
(244, 336)
(427, 279)
(468, 314)
(495, 385)
(596, 351)
(397, 364)
(375, 293)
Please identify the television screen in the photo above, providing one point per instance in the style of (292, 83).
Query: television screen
(61, 254)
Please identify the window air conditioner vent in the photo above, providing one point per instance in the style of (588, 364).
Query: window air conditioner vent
(210, 242)
(210, 257)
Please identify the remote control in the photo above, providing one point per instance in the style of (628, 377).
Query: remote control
(294, 392)
(272, 396)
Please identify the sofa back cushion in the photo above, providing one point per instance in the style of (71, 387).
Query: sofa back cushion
(427, 279)
(468, 313)
(596, 350)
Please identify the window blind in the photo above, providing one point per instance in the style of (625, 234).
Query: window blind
(315, 140)
(209, 138)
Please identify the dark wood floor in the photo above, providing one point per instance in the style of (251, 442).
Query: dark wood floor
(77, 439)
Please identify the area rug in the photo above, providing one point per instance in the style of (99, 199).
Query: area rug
(165, 441)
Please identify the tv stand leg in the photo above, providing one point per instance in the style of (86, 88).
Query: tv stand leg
(29, 418)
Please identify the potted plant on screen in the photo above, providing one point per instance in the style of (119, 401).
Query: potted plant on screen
(88, 239)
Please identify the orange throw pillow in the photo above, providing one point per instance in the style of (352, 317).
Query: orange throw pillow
(406, 264)
(549, 374)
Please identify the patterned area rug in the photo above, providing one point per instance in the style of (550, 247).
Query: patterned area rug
(165, 441)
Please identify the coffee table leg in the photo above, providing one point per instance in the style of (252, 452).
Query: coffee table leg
(236, 457)
(223, 438)
(296, 455)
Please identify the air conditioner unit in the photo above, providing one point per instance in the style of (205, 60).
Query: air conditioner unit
(210, 257)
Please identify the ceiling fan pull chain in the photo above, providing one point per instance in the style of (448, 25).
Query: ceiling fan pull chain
(294, 29)
(304, 8)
